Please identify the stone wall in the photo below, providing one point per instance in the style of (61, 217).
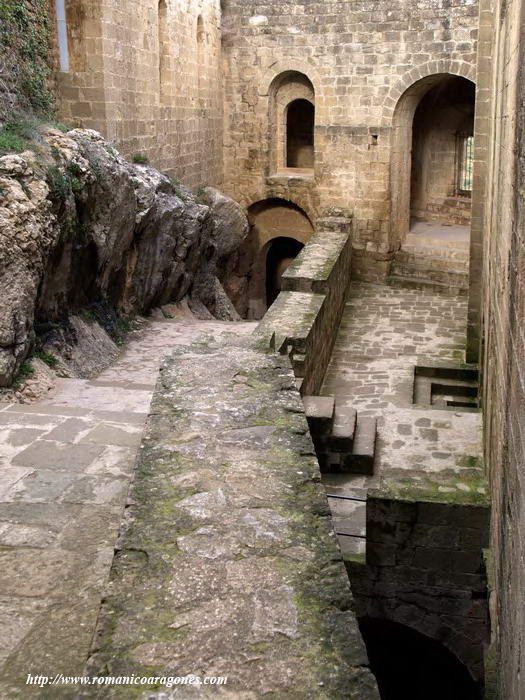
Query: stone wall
(360, 60)
(147, 76)
(424, 569)
(504, 341)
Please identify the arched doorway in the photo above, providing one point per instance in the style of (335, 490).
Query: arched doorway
(409, 665)
(251, 277)
(281, 251)
(432, 155)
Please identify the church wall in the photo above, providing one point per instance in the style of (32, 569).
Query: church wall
(360, 59)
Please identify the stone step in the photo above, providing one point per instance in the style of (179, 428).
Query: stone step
(445, 213)
(361, 459)
(298, 363)
(454, 204)
(436, 243)
(320, 414)
(441, 262)
(342, 435)
(434, 274)
(425, 285)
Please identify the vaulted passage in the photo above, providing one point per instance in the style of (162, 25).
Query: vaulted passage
(442, 153)
(411, 666)
(300, 134)
(432, 158)
(252, 276)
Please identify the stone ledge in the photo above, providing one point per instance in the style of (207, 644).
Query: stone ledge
(304, 319)
(229, 565)
(290, 320)
(312, 268)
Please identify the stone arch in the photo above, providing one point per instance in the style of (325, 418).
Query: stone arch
(286, 88)
(417, 73)
(280, 67)
(401, 122)
(245, 279)
(300, 197)
(399, 650)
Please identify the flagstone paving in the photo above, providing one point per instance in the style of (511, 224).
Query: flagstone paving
(65, 469)
(384, 334)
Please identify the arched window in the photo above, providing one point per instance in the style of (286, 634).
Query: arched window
(163, 51)
(300, 119)
(291, 121)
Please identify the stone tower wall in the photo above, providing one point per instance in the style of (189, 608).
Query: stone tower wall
(147, 76)
(360, 59)
(504, 341)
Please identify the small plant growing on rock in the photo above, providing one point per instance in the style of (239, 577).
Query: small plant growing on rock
(47, 358)
(74, 169)
(59, 184)
(16, 135)
(140, 159)
(25, 371)
(60, 127)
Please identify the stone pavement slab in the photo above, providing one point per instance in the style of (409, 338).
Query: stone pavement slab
(229, 565)
(384, 333)
(65, 469)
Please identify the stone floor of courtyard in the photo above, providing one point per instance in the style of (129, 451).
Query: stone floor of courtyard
(66, 465)
(384, 334)
(67, 462)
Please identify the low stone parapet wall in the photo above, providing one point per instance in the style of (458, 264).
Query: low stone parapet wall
(229, 565)
(304, 320)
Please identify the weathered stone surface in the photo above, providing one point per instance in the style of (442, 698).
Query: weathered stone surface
(81, 227)
(230, 225)
(229, 565)
(66, 465)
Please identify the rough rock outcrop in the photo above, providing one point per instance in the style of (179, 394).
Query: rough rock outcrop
(80, 227)
(229, 229)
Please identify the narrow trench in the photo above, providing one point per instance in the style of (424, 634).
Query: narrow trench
(409, 665)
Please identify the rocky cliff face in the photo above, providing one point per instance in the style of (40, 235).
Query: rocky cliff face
(84, 231)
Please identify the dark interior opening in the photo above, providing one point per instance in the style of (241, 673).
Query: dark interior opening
(409, 665)
(442, 150)
(281, 252)
(300, 134)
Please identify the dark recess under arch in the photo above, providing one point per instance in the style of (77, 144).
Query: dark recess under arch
(409, 665)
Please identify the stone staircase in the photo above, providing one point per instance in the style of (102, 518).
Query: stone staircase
(432, 262)
(453, 210)
(344, 441)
